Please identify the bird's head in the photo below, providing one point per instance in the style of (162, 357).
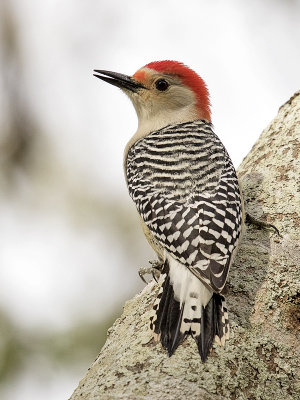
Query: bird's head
(163, 92)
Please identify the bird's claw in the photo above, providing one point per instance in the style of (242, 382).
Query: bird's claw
(154, 270)
(144, 271)
(260, 224)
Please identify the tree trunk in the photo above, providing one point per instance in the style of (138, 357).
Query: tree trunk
(262, 358)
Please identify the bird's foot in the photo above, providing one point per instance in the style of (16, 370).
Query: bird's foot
(260, 224)
(154, 270)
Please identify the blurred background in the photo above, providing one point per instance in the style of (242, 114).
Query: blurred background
(70, 240)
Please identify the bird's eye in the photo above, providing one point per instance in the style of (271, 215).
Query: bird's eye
(161, 85)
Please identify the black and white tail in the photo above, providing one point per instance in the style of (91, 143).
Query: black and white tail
(185, 306)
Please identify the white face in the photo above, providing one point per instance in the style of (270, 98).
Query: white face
(165, 100)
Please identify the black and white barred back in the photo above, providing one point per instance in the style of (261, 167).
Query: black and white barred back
(185, 188)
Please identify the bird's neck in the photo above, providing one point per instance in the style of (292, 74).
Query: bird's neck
(152, 123)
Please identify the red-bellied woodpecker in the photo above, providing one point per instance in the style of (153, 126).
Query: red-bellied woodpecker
(186, 191)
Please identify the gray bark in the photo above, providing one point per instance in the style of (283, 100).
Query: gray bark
(262, 358)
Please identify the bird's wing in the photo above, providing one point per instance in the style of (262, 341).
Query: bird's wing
(186, 191)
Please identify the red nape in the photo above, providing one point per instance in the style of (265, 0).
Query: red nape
(188, 77)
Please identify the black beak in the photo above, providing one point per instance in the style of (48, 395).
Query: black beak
(119, 80)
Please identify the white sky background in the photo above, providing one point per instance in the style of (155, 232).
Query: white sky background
(248, 54)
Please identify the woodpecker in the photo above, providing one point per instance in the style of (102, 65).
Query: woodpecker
(186, 192)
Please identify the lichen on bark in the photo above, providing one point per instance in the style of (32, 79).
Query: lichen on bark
(262, 358)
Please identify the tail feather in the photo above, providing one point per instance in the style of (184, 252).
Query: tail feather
(167, 317)
(176, 336)
(209, 327)
(222, 319)
(214, 325)
(163, 310)
(187, 307)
